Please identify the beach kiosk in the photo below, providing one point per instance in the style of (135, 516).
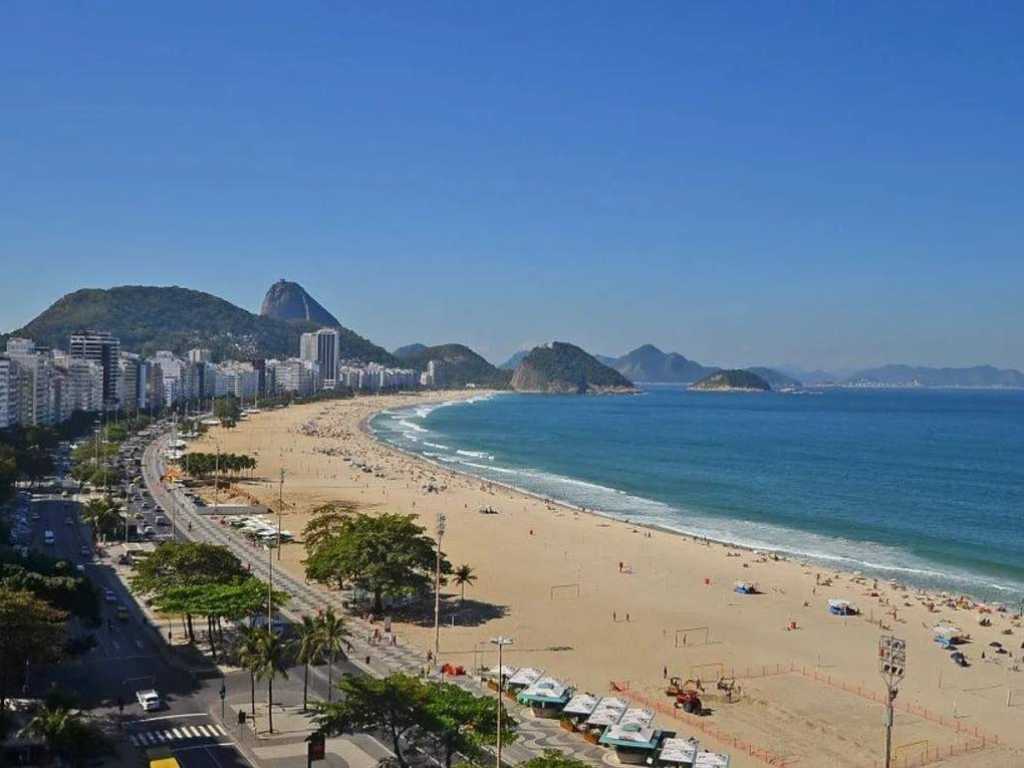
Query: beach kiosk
(711, 760)
(633, 742)
(677, 752)
(546, 697)
(579, 708)
(498, 678)
(523, 678)
(608, 712)
(839, 607)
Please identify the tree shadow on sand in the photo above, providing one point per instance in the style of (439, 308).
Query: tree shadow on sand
(465, 613)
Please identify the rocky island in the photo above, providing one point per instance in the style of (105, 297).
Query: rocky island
(732, 381)
(561, 368)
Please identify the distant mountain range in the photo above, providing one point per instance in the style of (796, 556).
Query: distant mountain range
(648, 363)
(151, 318)
(562, 368)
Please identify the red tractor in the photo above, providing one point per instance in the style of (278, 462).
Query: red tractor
(686, 694)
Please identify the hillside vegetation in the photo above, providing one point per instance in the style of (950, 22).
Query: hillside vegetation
(460, 365)
(148, 318)
(565, 368)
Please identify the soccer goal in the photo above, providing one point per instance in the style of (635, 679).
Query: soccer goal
(564, 591)
(692, 636)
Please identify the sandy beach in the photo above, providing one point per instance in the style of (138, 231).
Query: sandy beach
(597, 601)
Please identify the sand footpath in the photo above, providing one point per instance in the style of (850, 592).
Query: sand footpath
(593, 600)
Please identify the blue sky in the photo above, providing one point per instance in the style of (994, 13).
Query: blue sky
(823, 184)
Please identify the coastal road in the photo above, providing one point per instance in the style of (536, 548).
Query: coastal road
(129, 654)
(535, 736)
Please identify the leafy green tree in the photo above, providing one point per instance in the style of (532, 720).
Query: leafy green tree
(385, 555)
(273, 658)
(462, 576)
(333, 640)
(235, 600)
(326, 522)
(462, 722)
(395, 705)
(309, 651)
(176, 564)
(69, 734)
(227, 408)
(8, 471)
(31, 631)
(55, 584)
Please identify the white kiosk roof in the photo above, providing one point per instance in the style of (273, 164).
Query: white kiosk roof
(581, 704)
(676, 750)
(525, 676)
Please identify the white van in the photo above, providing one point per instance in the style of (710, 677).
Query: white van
(48, 538)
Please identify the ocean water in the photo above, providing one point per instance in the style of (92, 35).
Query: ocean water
(922, 486)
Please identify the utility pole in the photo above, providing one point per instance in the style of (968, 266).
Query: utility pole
(280, 507)
(216, 480)
(501, 642)
(892, 662)
(441, 520)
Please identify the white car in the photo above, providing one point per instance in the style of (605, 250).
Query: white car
(149, 700)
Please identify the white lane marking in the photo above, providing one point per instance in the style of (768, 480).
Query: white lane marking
(205, 730)
(190, 731)
(173, 717)
(220, 730)
(177, 734)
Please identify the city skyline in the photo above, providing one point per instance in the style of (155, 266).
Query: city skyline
(835, 187)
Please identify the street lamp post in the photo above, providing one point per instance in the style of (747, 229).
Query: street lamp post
(441, 520)
(892, 662)
(501, 642)
(280, 506)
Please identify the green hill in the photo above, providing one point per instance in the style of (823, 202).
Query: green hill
(565, 368)
(148, 318)
(460, 365)
(725, 381)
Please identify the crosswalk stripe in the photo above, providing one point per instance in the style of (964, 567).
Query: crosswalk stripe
(161, 736)
(206, 730)
(147, 737)
(177, 734)
(190, 731)
(220, 730)
(134, 740)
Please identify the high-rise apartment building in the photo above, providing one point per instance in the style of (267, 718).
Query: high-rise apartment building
(34, 394)
(323, 347)
(102, 348)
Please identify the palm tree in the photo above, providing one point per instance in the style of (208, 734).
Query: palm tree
(310, 651)
(67, 733)
(463, 575)
(102, 515)
(249, 656)
(273, 660)
(333, 636)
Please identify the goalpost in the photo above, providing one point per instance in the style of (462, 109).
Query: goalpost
(686, 635)
(564, 591)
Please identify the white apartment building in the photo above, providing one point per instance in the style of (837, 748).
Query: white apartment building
(294, 375)
(8, 393)
(35, 382)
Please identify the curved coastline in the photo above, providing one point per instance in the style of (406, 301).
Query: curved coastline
(844, 565)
